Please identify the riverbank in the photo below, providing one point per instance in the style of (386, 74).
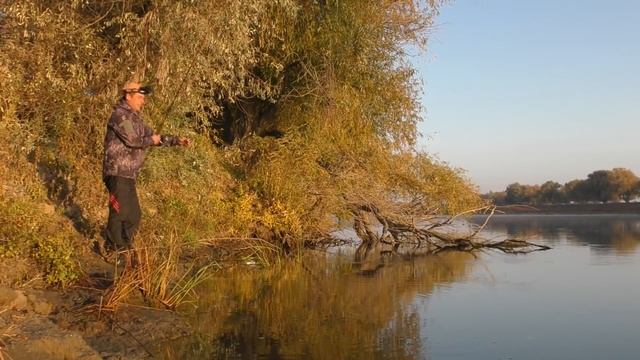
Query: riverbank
(37, 322)
(610, 208)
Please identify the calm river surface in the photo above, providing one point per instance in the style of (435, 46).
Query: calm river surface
(580, 300)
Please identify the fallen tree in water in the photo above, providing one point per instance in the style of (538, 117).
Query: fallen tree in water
(403, 231)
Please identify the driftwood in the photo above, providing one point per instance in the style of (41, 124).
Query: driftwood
(391, 232)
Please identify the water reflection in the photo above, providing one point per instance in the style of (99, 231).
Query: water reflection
(318, 308)
(322, 306)
(617, 234)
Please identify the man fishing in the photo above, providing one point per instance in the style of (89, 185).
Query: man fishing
(125, 144)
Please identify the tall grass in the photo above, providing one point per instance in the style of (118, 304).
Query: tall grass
(6, 333)
(158, 273)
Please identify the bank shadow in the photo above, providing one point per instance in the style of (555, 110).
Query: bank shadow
(60, 187)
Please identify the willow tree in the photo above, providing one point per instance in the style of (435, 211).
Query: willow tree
(304, 114)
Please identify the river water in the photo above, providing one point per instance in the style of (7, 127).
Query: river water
(579, 300)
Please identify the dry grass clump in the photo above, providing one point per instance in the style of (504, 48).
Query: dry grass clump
(6, 334)
(158, 274)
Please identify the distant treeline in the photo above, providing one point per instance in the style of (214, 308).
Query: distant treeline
(599, 186)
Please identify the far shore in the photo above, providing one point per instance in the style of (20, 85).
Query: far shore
(609, 208)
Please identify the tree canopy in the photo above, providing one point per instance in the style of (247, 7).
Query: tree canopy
(302, 111)
(600, 186)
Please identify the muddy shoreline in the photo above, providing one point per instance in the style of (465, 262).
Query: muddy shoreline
(41, 323)
(36, 324)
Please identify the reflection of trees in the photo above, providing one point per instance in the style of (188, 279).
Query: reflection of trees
(621, 235)
(604, 232)
(318, 309)
(527, 227)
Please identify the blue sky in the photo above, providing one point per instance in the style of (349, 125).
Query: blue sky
(530, 91)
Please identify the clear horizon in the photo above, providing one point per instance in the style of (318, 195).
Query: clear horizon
(531, 92)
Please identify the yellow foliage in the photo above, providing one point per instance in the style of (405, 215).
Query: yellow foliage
(342, 97)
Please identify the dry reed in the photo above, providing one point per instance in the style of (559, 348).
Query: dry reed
(158, 274)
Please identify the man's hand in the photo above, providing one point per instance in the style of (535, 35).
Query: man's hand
(156, 139)
(183, 141)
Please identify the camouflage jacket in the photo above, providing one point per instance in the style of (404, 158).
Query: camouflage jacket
(126, 141)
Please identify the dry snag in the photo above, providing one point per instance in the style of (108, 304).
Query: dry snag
(405, 233)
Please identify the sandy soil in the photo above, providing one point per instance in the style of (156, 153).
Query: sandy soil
(67, 324)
